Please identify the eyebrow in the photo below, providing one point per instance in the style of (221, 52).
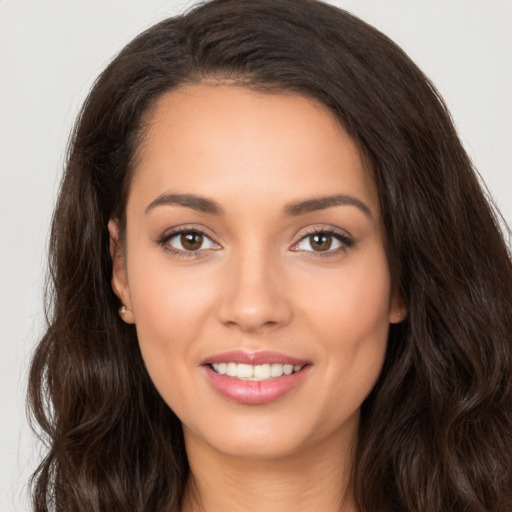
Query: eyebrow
(201, 204)
(321, 203)
(295, 209)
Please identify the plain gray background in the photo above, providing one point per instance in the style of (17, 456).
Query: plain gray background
(51, 51)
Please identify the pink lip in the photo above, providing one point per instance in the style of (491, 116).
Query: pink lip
(239, 356)
(252, 392)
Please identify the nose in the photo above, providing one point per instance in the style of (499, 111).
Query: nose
(255, 294)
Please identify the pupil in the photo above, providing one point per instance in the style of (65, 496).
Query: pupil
(191, 241)
(321, 242)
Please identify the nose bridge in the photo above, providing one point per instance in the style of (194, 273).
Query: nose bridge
(255, 295)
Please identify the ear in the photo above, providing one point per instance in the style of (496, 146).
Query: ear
(119, 274)
(398, 311)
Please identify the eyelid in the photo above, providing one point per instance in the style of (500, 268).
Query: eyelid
(178, 230)
(343, 236)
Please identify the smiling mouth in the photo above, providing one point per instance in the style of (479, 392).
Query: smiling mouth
(257, 372)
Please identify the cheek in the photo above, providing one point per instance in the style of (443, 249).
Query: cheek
(171, 306)
(353, 302)
(351, 318)
(165, 294)
(169, 315)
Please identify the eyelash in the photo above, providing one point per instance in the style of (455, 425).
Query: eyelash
(345, 240)
(164, 242)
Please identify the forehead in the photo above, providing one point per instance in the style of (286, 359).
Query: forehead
(213, 140)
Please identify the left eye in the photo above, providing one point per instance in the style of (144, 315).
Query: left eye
(190, 241)
(319, 242)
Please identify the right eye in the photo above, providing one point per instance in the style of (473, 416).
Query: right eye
(189, 241)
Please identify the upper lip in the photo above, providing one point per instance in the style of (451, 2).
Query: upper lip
(253, 358)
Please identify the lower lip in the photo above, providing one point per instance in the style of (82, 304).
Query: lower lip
(254, 392)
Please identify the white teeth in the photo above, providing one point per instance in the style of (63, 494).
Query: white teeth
(231, 369)
(287, 369)
(255, 372)
(261, 371)
(244, 371)
(276, 370)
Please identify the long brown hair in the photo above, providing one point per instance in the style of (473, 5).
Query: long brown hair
(436, 431)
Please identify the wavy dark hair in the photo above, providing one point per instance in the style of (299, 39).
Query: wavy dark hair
(436, 431)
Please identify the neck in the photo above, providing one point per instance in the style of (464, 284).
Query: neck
(315, 478)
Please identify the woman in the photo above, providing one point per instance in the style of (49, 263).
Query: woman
(277, 282)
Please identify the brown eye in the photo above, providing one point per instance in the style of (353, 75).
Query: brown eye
(320, 241)
(324, 241)
(191, 241)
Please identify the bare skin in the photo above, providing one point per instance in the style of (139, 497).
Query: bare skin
(305, 481)
(229, 250)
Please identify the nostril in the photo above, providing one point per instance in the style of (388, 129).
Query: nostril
(251, 320)
(252, 297)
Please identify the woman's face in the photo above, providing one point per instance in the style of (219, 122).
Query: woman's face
(254, 248)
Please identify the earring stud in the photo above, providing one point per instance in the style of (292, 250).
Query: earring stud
(122, 310)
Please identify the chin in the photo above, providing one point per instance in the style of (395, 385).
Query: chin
(266, 437)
